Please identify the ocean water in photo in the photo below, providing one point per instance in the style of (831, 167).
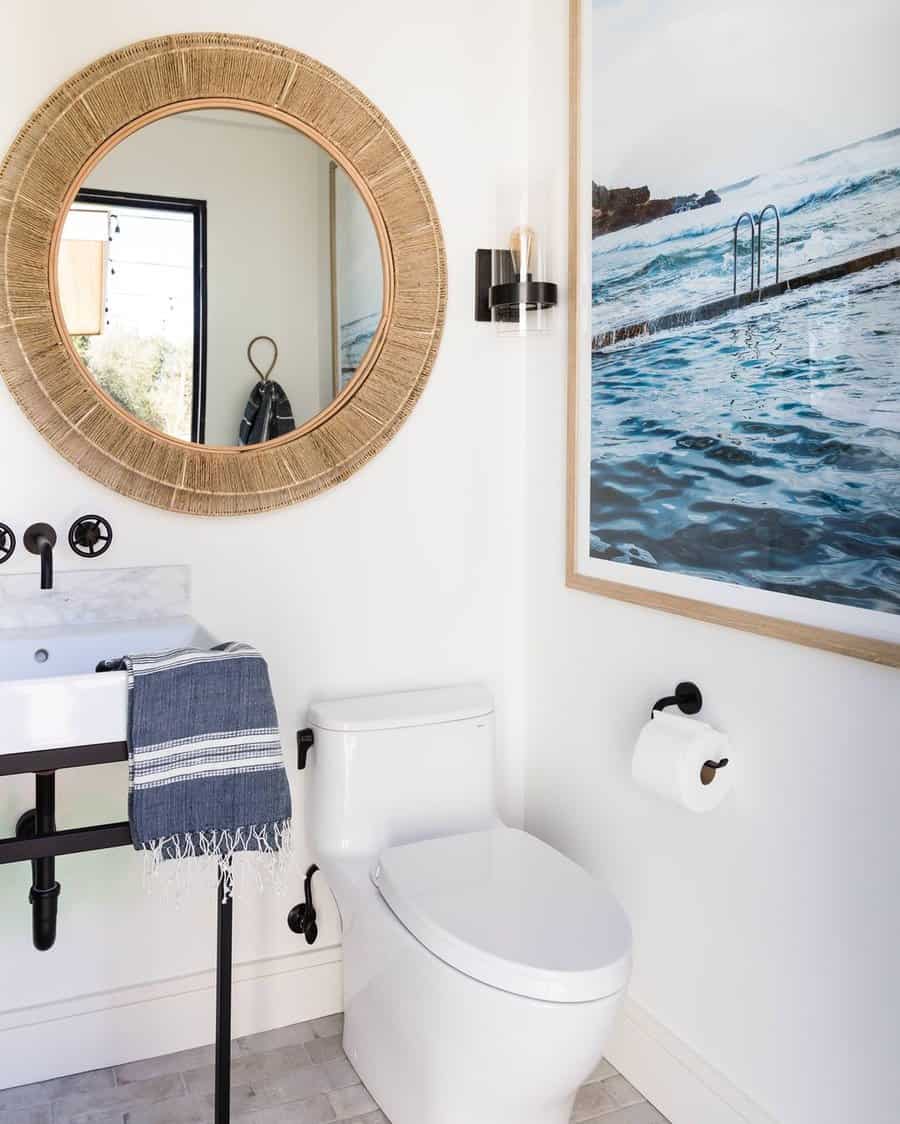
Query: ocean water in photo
(761, 447)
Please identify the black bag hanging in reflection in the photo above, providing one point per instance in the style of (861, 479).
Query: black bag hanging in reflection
(267, 414)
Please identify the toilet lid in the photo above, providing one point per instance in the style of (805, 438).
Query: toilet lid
(507, 909)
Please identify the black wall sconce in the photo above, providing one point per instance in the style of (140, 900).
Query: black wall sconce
(509, 291)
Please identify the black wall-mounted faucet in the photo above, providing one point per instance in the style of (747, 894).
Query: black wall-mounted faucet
(40, 538)
(90, 536)
(7, 543)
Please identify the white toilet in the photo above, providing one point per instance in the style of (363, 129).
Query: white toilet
(482, 969)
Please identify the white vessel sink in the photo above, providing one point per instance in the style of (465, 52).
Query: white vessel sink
(50, 693)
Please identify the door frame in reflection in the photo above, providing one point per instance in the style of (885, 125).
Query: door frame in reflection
(197, 209)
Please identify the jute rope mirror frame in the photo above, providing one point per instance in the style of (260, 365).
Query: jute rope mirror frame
(39, 177)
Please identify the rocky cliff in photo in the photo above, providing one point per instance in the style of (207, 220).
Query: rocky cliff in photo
(617, 207)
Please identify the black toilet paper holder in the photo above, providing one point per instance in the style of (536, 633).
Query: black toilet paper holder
(689, 700)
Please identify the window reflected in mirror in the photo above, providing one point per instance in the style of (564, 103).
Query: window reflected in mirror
(199, 232)
(131, 287)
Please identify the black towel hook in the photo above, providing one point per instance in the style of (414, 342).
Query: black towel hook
(264, 377)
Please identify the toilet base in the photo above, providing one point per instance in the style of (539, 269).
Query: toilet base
(434, 1046)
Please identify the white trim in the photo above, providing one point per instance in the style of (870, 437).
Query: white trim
(130, 1023)
(673, 1077)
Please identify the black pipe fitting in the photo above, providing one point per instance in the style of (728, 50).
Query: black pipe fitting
(44, 911)
(302, 918)
(44, 893)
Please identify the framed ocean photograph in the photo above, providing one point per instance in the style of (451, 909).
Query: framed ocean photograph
(734, 386)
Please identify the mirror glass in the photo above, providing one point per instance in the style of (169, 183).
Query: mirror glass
(199, 233)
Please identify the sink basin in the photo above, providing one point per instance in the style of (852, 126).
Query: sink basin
(50, 693)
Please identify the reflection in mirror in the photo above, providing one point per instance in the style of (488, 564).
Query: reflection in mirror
(354, 254)
(199, 232)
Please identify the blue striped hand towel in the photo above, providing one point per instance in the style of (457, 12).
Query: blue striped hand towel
(206, 772)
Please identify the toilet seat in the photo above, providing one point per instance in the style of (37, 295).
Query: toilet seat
(507, 909)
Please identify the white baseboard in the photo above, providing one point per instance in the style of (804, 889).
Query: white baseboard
(673, 1077)
(114, 1027)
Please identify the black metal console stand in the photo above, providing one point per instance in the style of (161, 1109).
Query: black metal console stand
(38, 841)
(223, 1004)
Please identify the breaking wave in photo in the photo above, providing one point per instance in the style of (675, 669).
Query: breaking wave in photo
(832, 204)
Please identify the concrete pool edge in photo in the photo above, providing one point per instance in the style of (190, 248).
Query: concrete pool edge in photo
(826, 270)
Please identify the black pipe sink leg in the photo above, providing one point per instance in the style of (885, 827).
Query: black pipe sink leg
(44, 893)
(225, 910)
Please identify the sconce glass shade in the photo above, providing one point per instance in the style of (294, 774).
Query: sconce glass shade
(520, 298)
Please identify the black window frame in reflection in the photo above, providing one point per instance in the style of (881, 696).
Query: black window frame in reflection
(196, 208)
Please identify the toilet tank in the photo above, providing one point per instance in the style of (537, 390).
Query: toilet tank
(391, 769)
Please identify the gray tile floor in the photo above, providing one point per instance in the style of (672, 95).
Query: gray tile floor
(295, 1075)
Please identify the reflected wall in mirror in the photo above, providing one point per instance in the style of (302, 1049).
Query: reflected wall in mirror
(198, 232)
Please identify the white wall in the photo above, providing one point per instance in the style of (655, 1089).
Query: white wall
(409, 574)
(268, 248)
(766, 933)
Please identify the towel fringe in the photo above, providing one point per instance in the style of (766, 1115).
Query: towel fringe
(273, 842)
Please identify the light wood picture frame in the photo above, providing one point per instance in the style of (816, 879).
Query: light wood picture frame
(39, 177)
(848, 629)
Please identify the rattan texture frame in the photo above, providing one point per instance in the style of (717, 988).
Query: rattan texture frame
(41, 172)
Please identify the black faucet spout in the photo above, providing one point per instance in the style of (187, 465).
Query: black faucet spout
(46, 564)
(40, 538)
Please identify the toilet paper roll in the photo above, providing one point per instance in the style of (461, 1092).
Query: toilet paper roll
(669, 758)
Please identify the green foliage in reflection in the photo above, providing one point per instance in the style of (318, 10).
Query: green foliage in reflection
(148, 376)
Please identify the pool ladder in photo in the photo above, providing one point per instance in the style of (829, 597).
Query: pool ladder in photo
(756, 226)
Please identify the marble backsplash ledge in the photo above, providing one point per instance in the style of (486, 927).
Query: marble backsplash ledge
(90, 597)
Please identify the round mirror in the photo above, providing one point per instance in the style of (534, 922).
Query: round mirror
(220, 276)
(168, 206)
